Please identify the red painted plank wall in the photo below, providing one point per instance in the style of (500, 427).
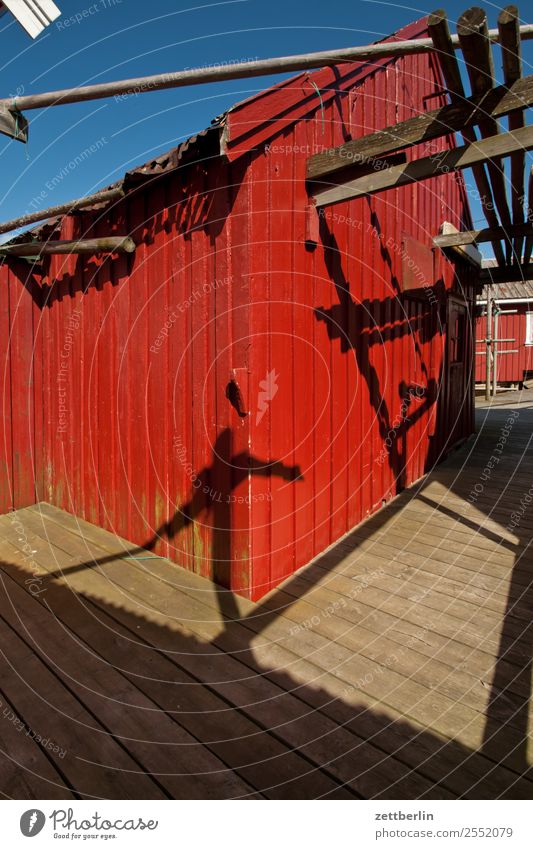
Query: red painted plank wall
(224, 397)
(341, 347)
(142, 439)
(21, 420)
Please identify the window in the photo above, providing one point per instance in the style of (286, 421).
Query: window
(529, 328)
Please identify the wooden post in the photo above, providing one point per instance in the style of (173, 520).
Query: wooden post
(495, 353)
(440, 35)
(509, 29)
(473, 32)
(529, 240)
(488, 337)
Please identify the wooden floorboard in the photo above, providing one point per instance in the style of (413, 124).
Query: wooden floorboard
(396, 665)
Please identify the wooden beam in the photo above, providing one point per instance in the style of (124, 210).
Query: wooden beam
(529, 240)
(508, 274)
(466, 251)
(440, 35)
(63, 208)
(471, 237)
(236, 71)
(473, 30)
(458, 115)
(509, 29)
(429, 166)
(107, 245)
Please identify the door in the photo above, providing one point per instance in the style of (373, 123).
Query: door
(458, 356)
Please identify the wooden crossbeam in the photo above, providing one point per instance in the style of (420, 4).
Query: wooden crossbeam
(458, 115)
(471, 237)
(466, 250)
(109, 244)
(430, 166)
(69, 206)
(508, 274)
(442, 40)
(511, 45)
(235, 71)
(473, 33)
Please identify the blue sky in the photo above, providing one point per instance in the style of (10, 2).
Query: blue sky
(98, 40)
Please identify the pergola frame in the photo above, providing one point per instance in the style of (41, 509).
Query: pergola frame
(508, 223)
(369, 172)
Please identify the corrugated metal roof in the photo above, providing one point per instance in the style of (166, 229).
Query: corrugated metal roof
(510, 291)
(191, 148)
(203, 144)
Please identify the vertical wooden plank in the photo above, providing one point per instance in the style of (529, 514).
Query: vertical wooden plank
(240, 515)
(381, 401)
(358, 466)
(69, 351)
(160, 321)
(324, 299)
(87, 391)
(278, 399)
(38, 394)
(220, 180)
(137, 355)
(122, 398)
(304, 357)
(354, 421)
(260, 416)
(340, 350)
(6, 445)
(22, 412)
(180, 528)
(105, 373)
(203, 454)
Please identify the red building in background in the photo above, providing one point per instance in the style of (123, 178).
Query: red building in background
(513, 311)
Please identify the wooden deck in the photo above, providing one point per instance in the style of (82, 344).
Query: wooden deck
(397, 665)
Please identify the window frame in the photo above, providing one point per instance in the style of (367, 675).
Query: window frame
(529, 328)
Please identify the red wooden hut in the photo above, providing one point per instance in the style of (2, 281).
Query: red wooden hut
(513, 321)
(258, 377)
